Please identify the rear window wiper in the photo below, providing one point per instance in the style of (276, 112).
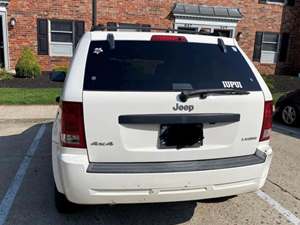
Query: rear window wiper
(203, 93)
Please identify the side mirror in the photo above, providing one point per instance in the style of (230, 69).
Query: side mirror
(58, 76)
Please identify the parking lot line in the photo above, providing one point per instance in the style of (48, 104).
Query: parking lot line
(12, 191)
(283, 211)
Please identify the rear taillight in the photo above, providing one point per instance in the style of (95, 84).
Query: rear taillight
(267, 122)
(168, 38)
(72, 126)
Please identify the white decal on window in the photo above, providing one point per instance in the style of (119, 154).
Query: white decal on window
(98, 51)
(232, 84)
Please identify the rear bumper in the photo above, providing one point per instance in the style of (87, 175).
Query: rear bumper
(84, 187)
(179, 166)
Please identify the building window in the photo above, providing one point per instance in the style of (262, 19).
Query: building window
(61, 38)
(280, 2)
(270, 48)
(219, 21)
(206, 29)
(223, 33)
(187, 29)
(58, 37)
(185, 26)
(276, 1)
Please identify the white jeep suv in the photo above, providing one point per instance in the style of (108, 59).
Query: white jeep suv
(159, 117)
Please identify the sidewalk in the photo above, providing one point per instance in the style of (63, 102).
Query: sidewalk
(27, 112)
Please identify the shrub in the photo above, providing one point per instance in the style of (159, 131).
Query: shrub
(60, 69)
(4, 75)
(27, 65)
(270, 81)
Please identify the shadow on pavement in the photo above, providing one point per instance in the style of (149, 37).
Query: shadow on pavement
(35, 199)
(12, 151)
(145, 214)
(217, 200)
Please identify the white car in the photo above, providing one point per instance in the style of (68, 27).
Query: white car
(159, 117)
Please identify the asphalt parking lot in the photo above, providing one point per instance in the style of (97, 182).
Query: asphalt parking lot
(26, 188)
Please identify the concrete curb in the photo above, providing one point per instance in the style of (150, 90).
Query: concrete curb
(27, 112)
(12, 121)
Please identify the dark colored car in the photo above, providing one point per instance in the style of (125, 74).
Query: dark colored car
(288, 108)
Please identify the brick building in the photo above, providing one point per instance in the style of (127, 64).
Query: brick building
(268, 30)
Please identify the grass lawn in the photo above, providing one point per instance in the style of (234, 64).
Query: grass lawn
(279, 85)
(28, 96)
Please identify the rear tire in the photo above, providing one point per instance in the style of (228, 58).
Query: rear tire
(62, 204)
(290, 115)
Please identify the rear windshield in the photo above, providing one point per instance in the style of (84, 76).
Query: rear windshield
(165, 66)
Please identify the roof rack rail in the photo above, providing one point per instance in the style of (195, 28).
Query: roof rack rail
(144, 28)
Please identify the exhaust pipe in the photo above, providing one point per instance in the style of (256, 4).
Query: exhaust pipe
(94, 16)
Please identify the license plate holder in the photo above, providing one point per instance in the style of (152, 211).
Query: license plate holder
(180, 136)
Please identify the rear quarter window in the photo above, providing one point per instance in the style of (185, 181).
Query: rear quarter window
(165, 66)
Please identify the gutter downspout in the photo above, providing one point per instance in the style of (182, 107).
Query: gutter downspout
(94, 13)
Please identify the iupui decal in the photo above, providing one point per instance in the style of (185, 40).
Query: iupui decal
(232, 84)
